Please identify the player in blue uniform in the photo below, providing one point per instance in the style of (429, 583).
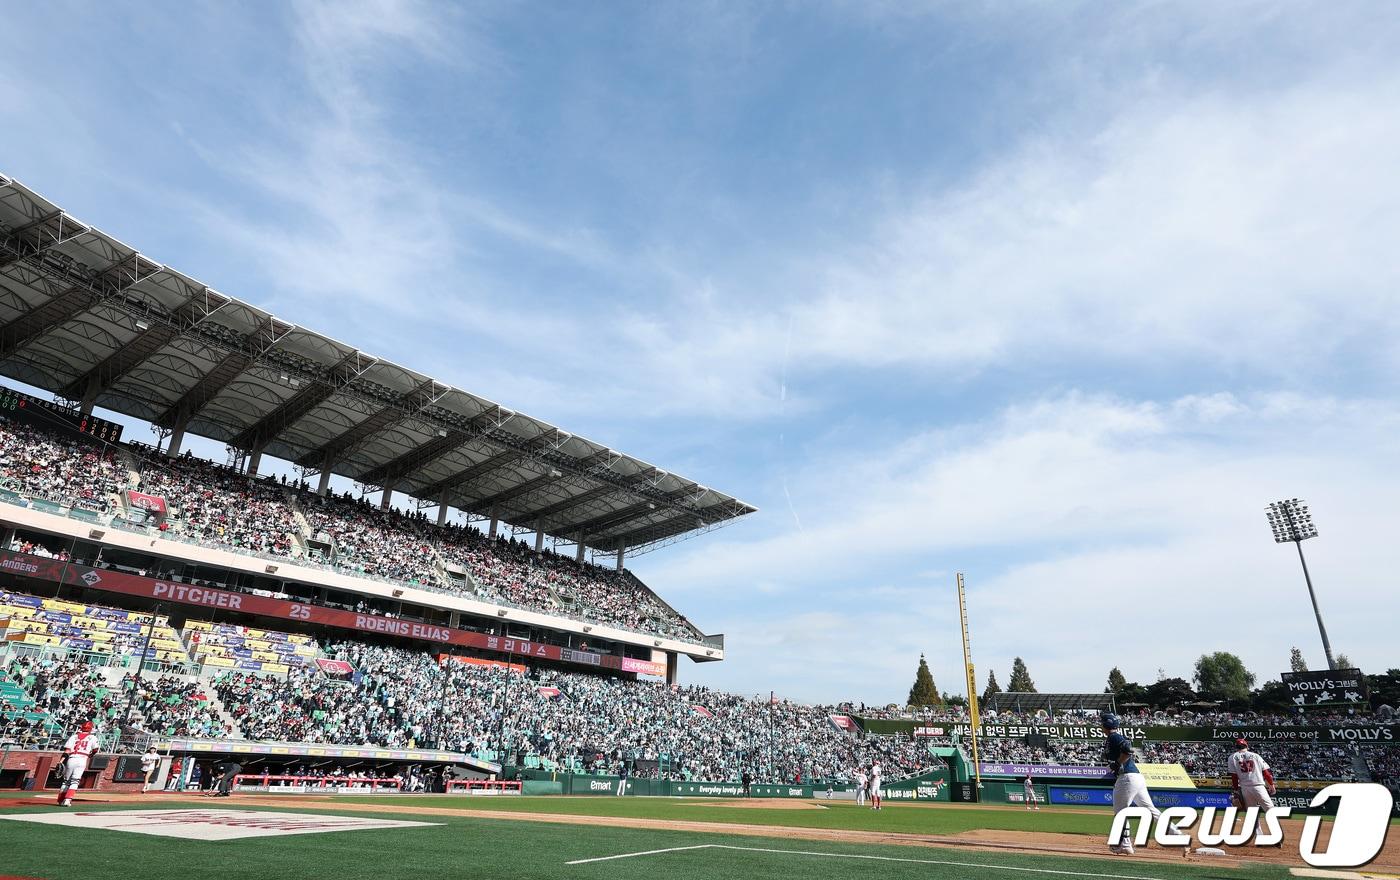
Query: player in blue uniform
(1129, 785)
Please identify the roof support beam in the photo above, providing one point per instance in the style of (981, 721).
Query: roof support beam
(41, 319)
(120, 362)
(419, 398)
(205, 390)
(544, 514)
(500, 498)
(37, 238)
(495, 462)
(256, 435)
(415, 459)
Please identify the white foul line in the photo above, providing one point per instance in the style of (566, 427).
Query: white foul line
(633, 855)
(830, 855)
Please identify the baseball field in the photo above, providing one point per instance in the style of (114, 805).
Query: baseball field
(251, 837)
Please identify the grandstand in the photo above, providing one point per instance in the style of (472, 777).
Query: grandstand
(215, 610)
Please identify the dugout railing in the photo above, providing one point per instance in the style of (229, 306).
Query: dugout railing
(273, 783)
(483, 787)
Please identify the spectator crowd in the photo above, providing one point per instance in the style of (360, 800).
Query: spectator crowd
(210, 504)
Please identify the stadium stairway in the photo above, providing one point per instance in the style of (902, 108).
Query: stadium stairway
(1361, 768)
(303, 533)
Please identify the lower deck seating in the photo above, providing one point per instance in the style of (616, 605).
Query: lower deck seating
(97, 629)
(247, 648)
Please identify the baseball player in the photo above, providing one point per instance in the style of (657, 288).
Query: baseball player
(1129, 785)
(149, 764)
(875, 785)
(80, 747)
(1250, 777)
(1031, 799)
(860, 786)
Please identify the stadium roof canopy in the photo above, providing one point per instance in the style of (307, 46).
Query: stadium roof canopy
(95, 322)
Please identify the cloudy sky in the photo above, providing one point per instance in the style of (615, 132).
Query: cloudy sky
(1058, 295)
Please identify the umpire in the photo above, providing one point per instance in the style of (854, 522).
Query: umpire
(228, 770)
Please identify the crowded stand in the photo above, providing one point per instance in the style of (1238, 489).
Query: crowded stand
(67, 471)
(219, 506)
(65, 689)
(401, 698)
(375, 543)
(244, 647)
(1383, 763)
(510, 571)
(174, 706)
(97, 629)
(210, 504)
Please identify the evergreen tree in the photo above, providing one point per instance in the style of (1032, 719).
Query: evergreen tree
(1296, 661)
(1116, 681)
(1020, 679)
(924, 693)
(992, 687)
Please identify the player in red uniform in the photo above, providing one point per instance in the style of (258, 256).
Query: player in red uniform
(79, 749)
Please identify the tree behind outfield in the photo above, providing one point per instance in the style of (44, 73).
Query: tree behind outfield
(924, 692)
(992, 687)
(1116, 681)
(1020, 678)
(1168, 693)
(1222, 676)
(1296, 663)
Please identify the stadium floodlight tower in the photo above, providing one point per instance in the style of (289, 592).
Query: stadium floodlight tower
(1291, 521)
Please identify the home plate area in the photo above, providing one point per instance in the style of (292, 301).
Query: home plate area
(213, 824)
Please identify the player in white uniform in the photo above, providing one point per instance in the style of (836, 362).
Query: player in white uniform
(875, 786)
(860, 787)
(150, 762)
(1250, 777)
(1031, 799)
(80, 747)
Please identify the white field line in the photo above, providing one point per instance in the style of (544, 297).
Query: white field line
(633, 855)
(829, 855)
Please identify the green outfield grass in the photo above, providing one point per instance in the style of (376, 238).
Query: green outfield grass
(464, 846)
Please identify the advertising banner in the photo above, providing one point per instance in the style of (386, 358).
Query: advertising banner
(1166, 776)
(644, 667)
(1046, 771)
(1335, 687)
(296, 612)
(480, 661)
(842, 722)
(1103, 797)
(152, 504)
(1343, 732)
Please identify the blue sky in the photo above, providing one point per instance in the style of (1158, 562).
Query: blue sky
(1059, 295)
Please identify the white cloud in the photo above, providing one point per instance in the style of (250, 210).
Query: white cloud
(1094, 532)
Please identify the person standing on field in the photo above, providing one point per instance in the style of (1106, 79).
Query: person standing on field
(860, 786)
(150, 763)
(1129, 785)
(79, 749)
(622, 779)
(1031, 799)
(1250, 777)
(875, 790)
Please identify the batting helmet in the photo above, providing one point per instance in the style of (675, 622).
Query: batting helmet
(1110, 721)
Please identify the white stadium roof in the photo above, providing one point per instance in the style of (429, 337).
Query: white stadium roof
(92, 320)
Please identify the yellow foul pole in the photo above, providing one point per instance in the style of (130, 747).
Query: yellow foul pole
(972, 714)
